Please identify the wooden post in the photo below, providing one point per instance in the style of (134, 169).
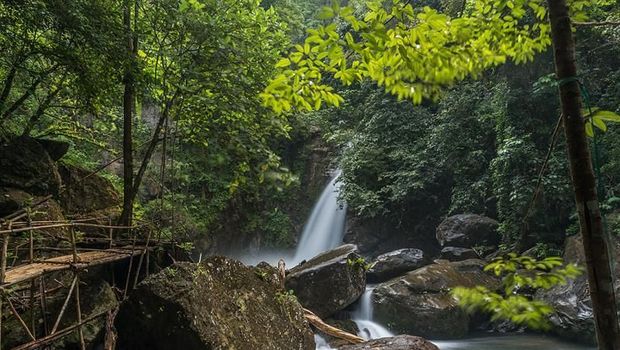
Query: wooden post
(1, 306)
(111, 231)
(5, 247)
(146, 247)
(79, 311)
(31, 260)
(43, 296)
(73, 245)
(30, 235)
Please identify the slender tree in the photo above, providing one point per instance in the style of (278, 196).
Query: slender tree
(596, 244)
(128, 104)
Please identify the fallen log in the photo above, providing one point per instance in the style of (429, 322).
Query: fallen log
(331, 330)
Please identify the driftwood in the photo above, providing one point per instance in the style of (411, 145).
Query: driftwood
(331, 330)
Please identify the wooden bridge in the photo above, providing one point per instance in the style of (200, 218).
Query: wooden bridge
(29, 283)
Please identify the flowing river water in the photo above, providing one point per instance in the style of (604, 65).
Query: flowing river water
(324, 230)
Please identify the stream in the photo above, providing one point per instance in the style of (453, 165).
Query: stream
(324, 230)
(511, 342)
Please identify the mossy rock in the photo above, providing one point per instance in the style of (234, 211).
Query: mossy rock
(217, 304)
(420, 303)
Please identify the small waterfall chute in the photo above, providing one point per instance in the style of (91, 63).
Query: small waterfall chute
(324, 229)
(362, 316)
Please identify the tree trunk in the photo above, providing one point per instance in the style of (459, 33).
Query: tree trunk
(128, 103)
(595, 242)
(149, 151)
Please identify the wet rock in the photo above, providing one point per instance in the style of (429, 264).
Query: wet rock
(573, 317)
(458, 254)
(217, 304)
(26, 165)
(467, 230)
(419, 302)
(330, 281)
(400, 342)
(86, 192)
(395, 263)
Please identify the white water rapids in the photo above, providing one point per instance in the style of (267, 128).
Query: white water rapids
(324, 230)
(325, 227)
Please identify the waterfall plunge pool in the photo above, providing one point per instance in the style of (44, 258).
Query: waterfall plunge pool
(511, 342)
(501, 342)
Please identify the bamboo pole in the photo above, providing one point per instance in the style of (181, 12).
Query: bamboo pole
(135, 281)
(43, 300)
(40, 343)
(5, 247)
(21, 321)
(31, 259)
(79, 311)
(69, 224)
(1, 306)
(64, 306)
(73, 246)
(133, 246)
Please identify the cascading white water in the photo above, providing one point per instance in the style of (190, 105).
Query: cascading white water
(362, 316)
(325, 227)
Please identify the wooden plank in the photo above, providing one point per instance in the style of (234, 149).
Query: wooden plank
(85, 259)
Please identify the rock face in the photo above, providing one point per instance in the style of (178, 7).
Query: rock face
(217, 304)
(419, 302)
(467, 230)
(573, 317)
(400, 342)
(458, 254)
(85, 194)
(395, 263)
(330, 281)
(56, 149)
(25, 165)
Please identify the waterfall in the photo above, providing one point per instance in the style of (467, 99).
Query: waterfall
(362, 316)
(325, 227)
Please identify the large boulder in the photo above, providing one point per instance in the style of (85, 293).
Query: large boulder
(396, 263)
(330, 281)
(399, 342)
(572, 315)
(26, 165)
(85, 192)
(420, 303)
(467, 230)
(12, 200)
(56, 149)
(458, 254)
(217, 304)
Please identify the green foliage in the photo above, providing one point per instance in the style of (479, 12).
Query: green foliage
(284, 297)
(359, 263)
(410, 52)
(275, 227)
(520, 276)
(597, 118)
